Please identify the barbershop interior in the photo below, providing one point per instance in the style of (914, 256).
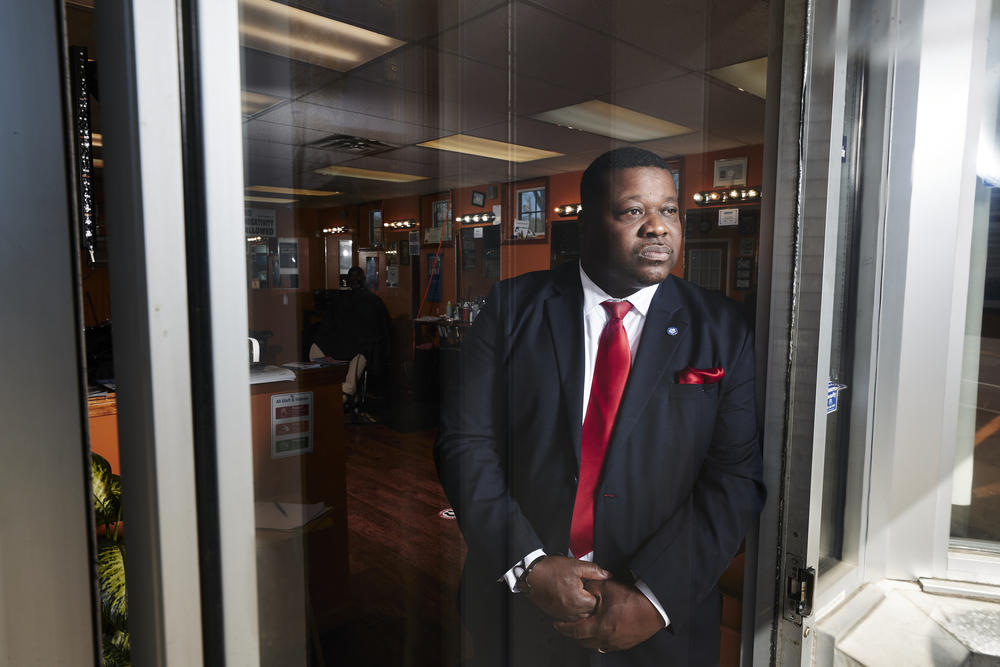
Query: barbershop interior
(268, 225)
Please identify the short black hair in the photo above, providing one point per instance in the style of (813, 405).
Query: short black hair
(596, 179)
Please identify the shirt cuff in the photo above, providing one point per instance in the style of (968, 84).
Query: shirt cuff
(644, 589)
(513, 574)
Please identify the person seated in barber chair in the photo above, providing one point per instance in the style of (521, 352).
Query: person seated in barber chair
(354, 328)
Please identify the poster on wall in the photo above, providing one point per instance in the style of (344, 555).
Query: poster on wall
(434, 277)
(291, 424)
(392, 276)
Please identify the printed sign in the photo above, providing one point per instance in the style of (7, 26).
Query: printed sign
(729, 217)
(291, 424)
(832, 394)
(259, 221)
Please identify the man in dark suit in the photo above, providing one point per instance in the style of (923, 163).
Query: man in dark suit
(599, 444)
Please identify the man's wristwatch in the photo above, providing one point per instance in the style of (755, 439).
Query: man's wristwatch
(522, 579)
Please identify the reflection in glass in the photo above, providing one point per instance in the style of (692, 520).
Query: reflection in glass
(975, 510)
(360, 116)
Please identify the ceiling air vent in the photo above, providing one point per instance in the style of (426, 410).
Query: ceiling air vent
(346, 143)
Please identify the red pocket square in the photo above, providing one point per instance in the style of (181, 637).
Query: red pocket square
(700, 375)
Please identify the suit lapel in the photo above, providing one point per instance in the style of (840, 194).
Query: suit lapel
(564, 317)
(656, 348)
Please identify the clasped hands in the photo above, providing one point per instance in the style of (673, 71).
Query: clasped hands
(590, 606)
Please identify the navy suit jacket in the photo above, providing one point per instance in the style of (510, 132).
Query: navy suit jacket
(681, 483)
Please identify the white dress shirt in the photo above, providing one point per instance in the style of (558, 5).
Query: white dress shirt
(595, 317)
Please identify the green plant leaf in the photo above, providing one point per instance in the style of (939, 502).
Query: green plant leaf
(111, 574)
(106, 488)
(116, 650)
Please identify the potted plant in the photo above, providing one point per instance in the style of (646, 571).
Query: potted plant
(107, 493)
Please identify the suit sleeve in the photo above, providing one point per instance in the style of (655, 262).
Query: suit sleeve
(471, 452)
(683, 560)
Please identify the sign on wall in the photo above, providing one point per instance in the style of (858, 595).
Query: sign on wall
(291, 424)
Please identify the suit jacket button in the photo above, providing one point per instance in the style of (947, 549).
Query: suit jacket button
(575, 479)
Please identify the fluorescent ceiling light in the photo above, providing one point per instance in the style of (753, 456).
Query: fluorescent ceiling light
(300, 35)
(498, 150)
(275, 190)
(270, 200)
(254, 103)
(749, 76)
(610, 120)
(369, 174)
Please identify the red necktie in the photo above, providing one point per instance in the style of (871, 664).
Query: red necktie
(610, 374)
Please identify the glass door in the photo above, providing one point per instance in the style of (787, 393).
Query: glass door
(824, 411)
(354, 180)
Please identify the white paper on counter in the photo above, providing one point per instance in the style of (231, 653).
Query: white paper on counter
(286, 516)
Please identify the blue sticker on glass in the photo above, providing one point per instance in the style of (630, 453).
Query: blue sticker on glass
(832, 394)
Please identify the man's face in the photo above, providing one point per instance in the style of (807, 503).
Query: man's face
(633, 240)
(355, 279)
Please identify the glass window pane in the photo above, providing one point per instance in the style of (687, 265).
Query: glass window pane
(402, 158)
(975, 518)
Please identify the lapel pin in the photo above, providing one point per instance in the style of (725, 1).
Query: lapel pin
(671, 331)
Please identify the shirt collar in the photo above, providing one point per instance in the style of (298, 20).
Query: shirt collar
(594, 296)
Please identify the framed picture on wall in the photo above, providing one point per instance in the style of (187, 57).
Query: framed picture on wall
(729, 172)
(479, 199)
(440, 221)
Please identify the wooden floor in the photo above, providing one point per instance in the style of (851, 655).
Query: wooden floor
(405, 560)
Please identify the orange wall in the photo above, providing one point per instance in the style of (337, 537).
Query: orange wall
(699, 169)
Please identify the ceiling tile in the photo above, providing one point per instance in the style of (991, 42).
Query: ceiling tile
(280, 133)
(536, 134)
(371, 99)
(689, 144)
(679, 100)
(281, 77)
(338, 121)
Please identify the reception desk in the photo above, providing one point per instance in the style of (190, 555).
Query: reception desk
(298, 462)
